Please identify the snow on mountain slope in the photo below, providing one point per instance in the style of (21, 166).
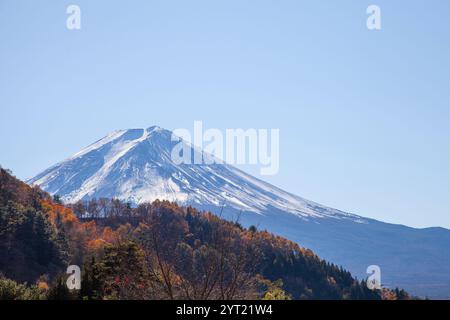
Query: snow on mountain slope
(135, 166)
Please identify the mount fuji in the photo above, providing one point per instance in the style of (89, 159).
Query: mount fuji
(135, 166)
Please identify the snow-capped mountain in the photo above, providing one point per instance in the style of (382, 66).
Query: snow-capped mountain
(136, 166)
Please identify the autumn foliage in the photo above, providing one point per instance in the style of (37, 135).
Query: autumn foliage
(154, 251)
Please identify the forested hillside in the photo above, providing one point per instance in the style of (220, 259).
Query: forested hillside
(29, 246)
(154, 251)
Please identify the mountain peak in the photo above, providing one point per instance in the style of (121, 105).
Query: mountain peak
(155, 128)
(135, 165)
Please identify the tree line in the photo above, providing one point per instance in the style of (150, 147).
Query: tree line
(157, 250)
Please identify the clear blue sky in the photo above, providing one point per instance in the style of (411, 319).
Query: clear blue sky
(364, 116)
